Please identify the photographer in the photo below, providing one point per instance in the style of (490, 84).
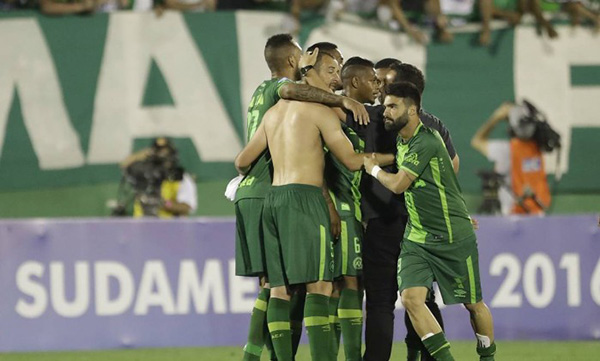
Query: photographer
(160, 185)
(523, 186)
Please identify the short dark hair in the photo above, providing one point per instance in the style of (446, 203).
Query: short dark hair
(274, 54)
(409, 73)
(320, 57)
(405, 90)
(348, 70)
(386, 63)
(323, 46)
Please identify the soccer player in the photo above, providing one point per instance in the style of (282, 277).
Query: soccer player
(283, 57)
(386, 217)
(295, 216)
(332, 50)
(345, 305)
(439, 241)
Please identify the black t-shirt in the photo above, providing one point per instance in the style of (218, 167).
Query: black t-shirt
(376, 200)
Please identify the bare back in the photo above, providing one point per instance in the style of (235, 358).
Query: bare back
(295, 142)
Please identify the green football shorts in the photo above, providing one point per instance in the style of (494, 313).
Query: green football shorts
(249, 248)
(347, 251)
(454, 266)
(297, 235)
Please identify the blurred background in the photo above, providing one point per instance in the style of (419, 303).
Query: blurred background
(102, 103)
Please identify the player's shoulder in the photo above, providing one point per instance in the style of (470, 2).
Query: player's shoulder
(427, 134)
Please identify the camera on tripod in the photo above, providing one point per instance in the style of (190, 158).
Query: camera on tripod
(142, 179)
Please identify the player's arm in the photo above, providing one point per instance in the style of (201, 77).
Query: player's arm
(309, 93)
(337, 142)
(480, 140)
(385, 159)
(252, 150)
(396, 182)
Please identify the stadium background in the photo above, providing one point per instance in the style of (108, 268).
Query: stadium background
(66, 84)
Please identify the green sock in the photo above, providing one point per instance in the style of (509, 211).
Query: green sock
(351, 320)
(278, 317)
(487, 353)
(296, 316)
(336, 330)
(269, 343)
(256, 335)
(316, 320)
(438, 347)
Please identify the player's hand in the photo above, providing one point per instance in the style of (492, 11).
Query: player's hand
(308, 58)
(475, 223)
(336, 224)
(370, 161)
(358, 110)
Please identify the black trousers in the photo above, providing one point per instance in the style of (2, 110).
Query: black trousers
(381, 248)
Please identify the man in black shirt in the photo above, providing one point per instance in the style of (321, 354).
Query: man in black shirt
(386, 217)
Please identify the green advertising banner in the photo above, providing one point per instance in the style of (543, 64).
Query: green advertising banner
(79, 94)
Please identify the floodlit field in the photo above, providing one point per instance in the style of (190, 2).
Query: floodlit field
(462, 350)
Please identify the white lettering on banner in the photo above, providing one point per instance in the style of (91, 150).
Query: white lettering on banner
(542, 75)
(539, 270)
(28, 66)
(595, 284)
(506, 297)
(543, 263)
(190, 287)
(132, 41)
(104, 271)
(242, 291)
(154, 274)
(570, 262)
(80, 303)
(154, 289)
(34, 290)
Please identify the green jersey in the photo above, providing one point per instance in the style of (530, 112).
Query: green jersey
(258, 181)
(344, 184)
(436, 208)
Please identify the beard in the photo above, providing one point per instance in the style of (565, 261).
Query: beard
(396, 125)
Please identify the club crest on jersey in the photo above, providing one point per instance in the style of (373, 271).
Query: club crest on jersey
(412, 158)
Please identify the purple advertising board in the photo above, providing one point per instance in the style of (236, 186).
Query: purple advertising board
(116, 283)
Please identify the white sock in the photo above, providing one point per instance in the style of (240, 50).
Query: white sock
(426, 336)
(483, 341)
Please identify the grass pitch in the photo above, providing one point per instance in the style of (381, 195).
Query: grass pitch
(462, 350)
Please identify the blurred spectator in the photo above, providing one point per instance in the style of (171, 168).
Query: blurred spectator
(8, 5)
(191, 5)
(389, 9)
(160, 184)
(579, 11)
(67, 7)
(519, 161)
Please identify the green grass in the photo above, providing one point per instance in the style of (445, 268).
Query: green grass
(462, 350)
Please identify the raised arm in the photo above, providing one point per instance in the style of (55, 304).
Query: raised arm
(255, 147)
(480, 140)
